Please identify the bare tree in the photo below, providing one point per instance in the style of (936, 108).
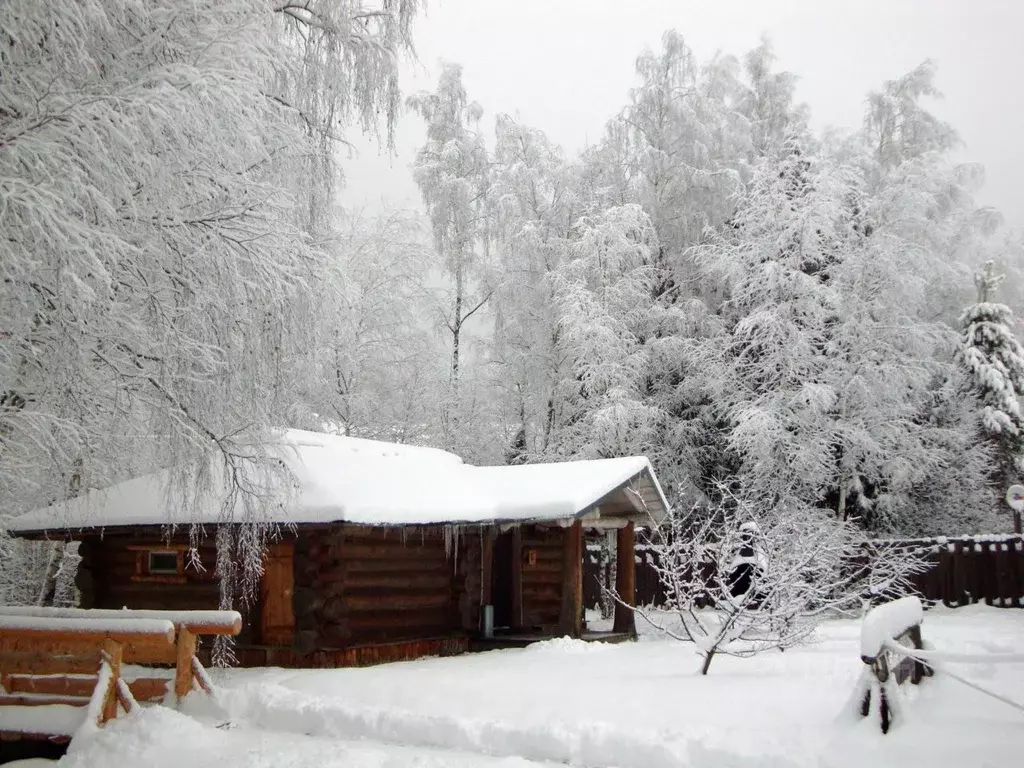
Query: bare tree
(742, 580)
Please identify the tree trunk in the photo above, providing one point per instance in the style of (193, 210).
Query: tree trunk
(707, 661)
(49, 586)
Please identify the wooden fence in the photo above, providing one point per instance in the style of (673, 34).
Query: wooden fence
(971, 569)
(963, 570)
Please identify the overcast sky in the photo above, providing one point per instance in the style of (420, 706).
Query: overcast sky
(565, 66)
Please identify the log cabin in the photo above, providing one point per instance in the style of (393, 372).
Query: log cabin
(386, 552)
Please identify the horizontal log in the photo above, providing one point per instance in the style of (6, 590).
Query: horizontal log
(543, 619)
(554, 542)
(398, 534)
(57, 685)
(544, 556)
(541, 593)
(403, 602)
(197, 622)
(405, 565)
(390, 619)
(94, 630)
(194, 588)
(356, 580)
(143, 688)
(542, 573)
(49, 663)
(42, 701)
(156, 597)
(154, 650)
(393, 552)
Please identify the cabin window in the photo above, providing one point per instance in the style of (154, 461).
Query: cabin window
(159, 563)
(163, 563)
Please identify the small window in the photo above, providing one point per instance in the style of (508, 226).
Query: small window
(163, 563)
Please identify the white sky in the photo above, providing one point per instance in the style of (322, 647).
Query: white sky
(565, 66)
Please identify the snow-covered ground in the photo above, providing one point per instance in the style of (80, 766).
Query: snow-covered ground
(638, 705)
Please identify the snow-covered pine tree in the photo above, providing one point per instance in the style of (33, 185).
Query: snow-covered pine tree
(995, 361)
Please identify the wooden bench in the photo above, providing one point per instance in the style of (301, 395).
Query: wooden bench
(62, 667)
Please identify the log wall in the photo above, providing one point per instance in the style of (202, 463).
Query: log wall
(542, 578)
(108, 576)
(357, 585)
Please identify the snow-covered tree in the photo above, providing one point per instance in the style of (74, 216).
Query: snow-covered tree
(534, 203)
(163, 226)
(604, 294)
(451, 170)
(994, 360)
(379, 355)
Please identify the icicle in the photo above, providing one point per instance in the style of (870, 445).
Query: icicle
(451, 544)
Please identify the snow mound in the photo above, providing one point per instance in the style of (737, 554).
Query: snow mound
(886, 622)
(566, 645)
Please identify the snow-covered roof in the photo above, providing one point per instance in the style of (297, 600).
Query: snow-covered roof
(376, 483)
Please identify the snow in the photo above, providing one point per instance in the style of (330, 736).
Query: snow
(90, 625)
(191, 619)
(634, 705)
(365, 481)
(887, 622)
(50, 719)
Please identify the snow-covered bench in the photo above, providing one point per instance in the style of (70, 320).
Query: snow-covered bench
(886, 629)
(62, 668)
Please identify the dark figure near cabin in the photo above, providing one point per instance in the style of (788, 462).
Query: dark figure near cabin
(745, 566)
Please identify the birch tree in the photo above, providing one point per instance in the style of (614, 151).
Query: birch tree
(162, 231)
(451, 170)
(534, 202)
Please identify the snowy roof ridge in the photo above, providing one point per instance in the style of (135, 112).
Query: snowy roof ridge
(348, 479)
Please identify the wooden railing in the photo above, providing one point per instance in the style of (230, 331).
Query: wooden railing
(885, 629)
(61, 667)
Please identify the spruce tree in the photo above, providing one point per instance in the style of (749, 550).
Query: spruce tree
(995, 360)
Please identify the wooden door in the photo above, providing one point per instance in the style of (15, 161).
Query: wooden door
(277, 620)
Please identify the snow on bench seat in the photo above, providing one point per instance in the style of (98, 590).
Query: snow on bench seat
(197, 622)
(887, 622)
(42, 720)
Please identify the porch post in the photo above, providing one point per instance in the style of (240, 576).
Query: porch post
(571, 619)
(625, 579)
(486, 566)
(517, 578)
